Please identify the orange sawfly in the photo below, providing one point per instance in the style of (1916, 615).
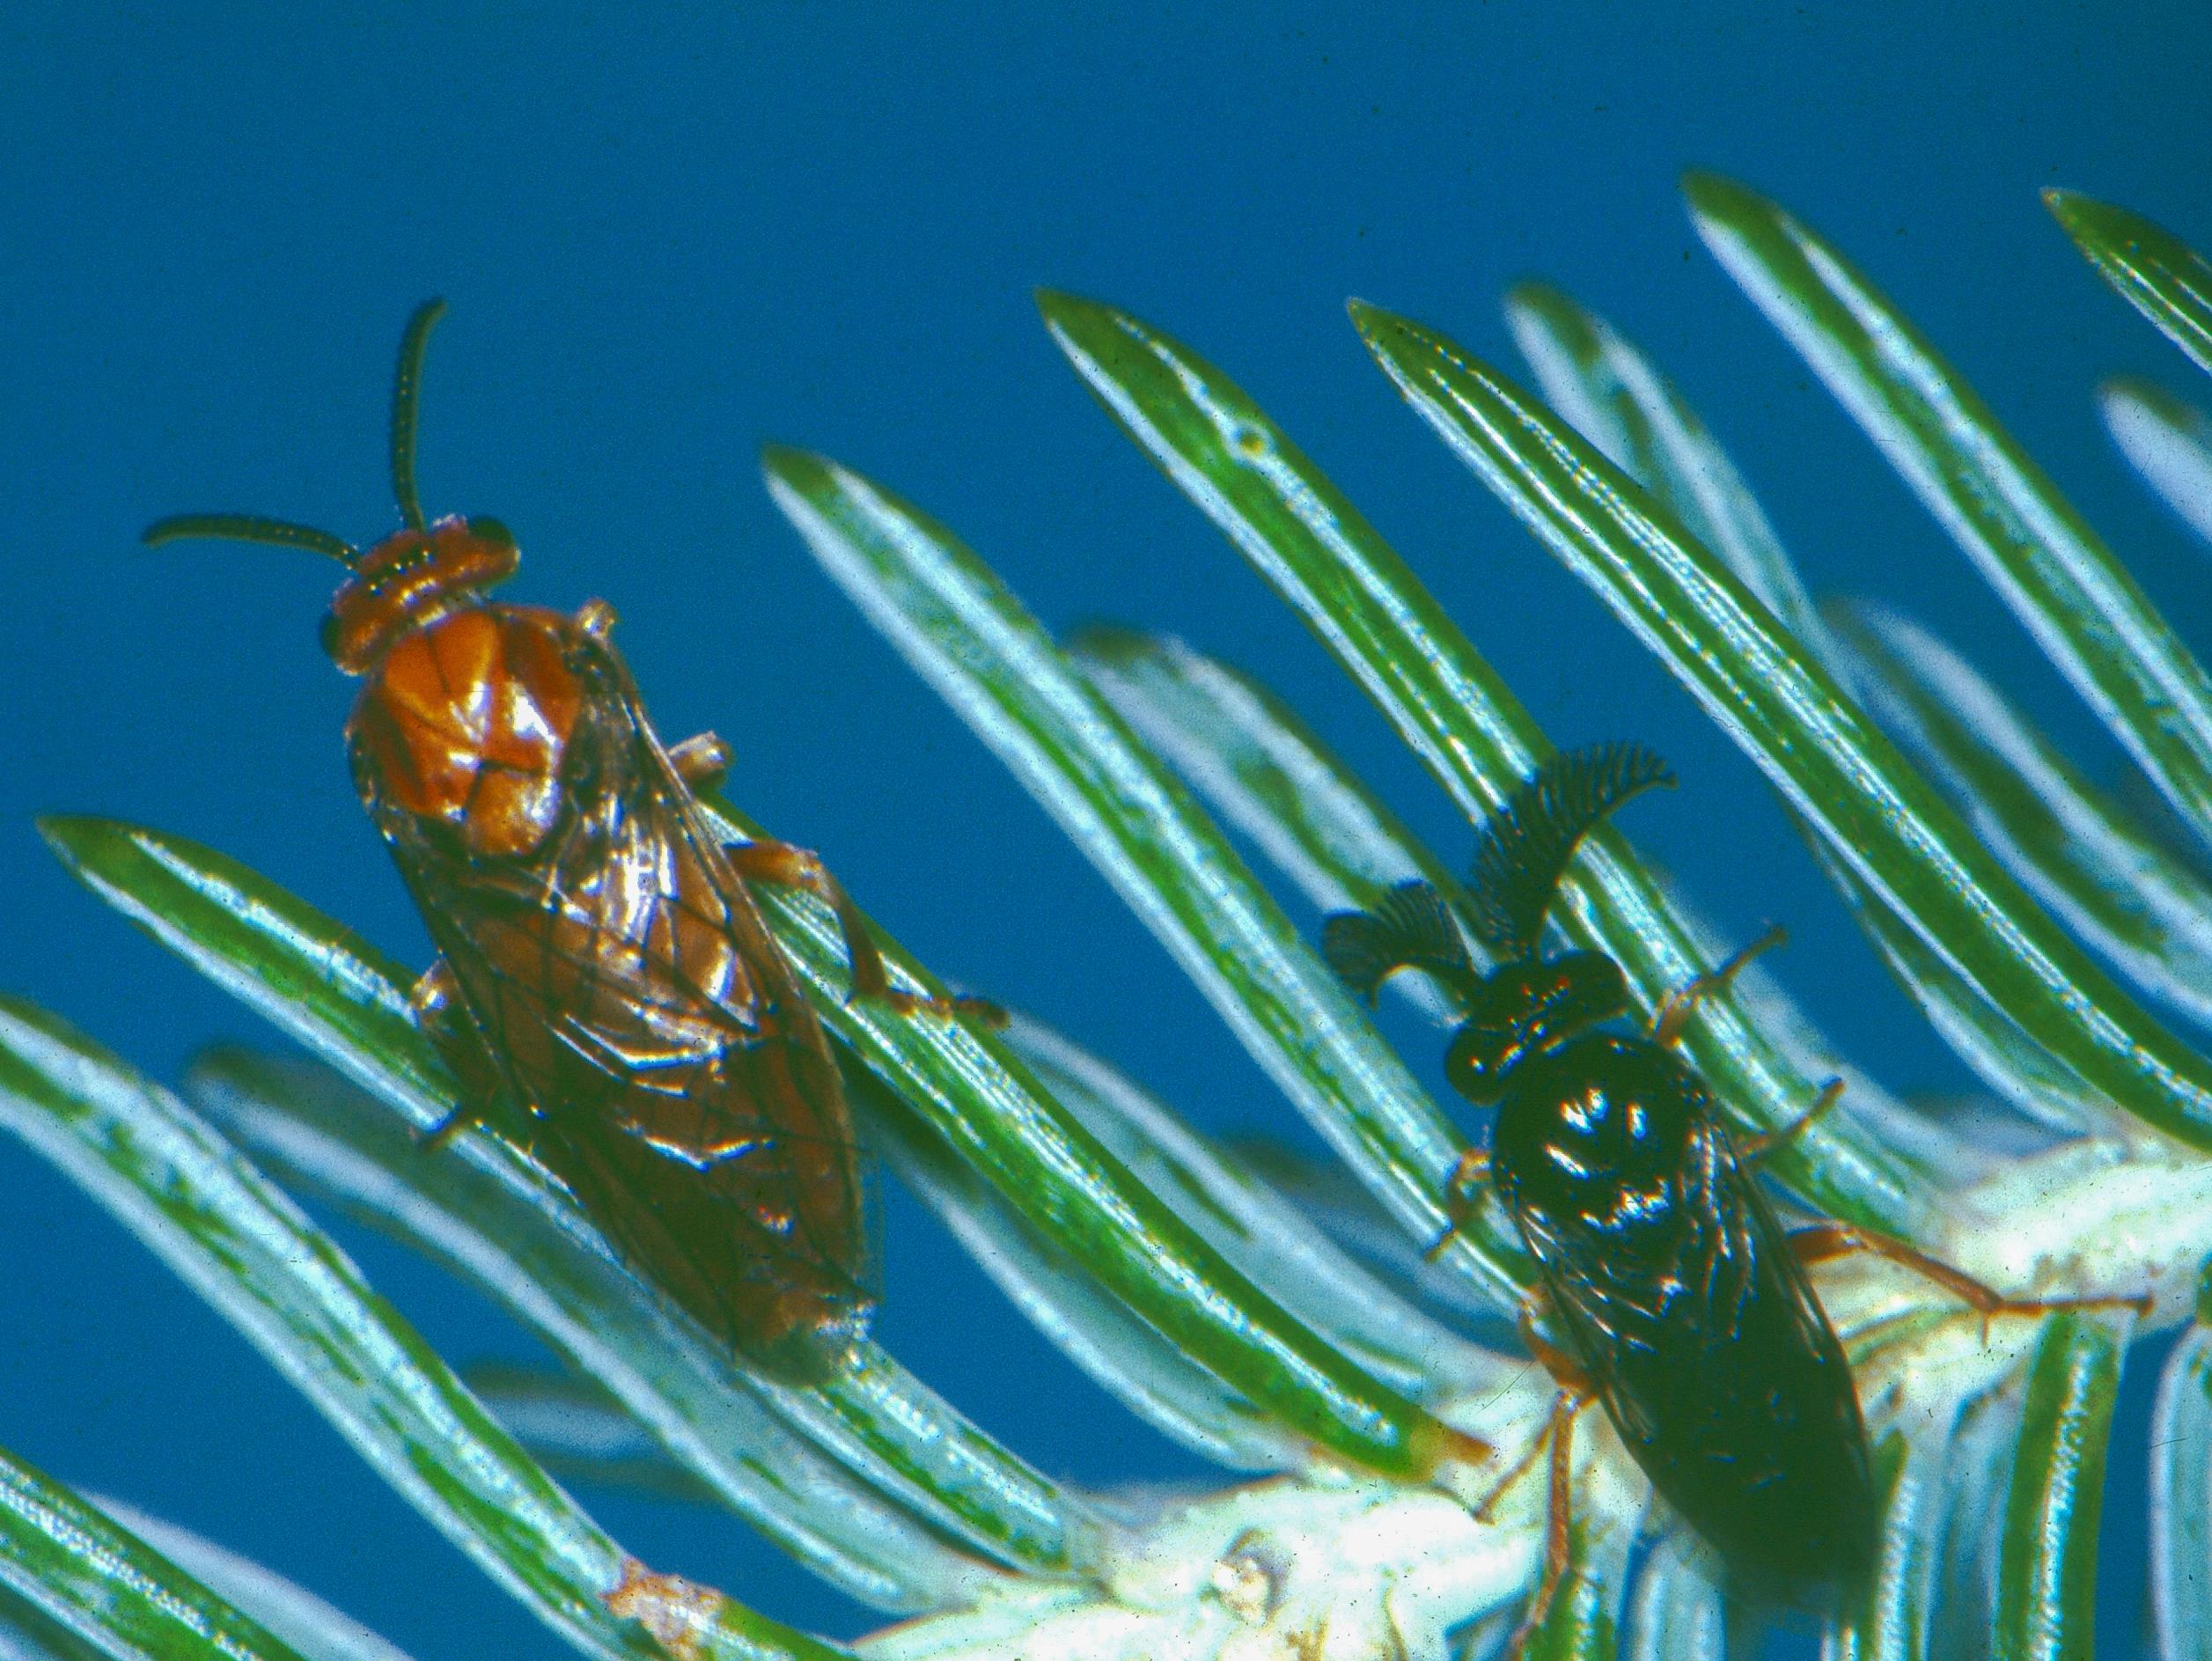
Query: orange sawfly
(603, 972)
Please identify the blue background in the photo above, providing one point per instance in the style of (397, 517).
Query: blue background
(669, 234)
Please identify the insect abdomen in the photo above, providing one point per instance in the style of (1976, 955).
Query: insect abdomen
(1749, 1422)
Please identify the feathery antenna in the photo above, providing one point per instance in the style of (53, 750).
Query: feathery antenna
(1410, 927)
(1525, 848)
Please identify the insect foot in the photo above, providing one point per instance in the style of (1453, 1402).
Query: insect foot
(700, 761)
(680, 1613)
(1825, 1242)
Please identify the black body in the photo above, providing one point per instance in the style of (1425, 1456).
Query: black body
(1665, 1271)
(1673, 1282)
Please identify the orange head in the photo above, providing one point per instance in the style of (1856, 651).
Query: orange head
(411, 579)
(467, 710)
(414, 576)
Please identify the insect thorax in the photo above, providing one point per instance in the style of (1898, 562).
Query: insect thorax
(465, 724)
(1597, 1129)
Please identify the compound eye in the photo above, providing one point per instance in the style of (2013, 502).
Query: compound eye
(1475, 1065)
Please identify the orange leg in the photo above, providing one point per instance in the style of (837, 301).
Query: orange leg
(1750, 1150)
(700, 761)
(1558, 1538)
(596, 618)
(1559, 1516)
(1574, 1388)
(1461, 1197)
(1824, 1241)
(789, 867)
(1567, 1372)
(432, 1000)
(1682, 1003)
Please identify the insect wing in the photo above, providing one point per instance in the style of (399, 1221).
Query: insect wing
(623, 986)
(719, 1242)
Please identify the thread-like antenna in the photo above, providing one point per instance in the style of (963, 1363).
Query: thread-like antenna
(407, 385)
(247, 527)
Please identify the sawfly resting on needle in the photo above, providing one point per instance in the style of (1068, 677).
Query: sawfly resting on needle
(1678, 1300)
(602, 968)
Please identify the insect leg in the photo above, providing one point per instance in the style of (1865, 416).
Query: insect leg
(700, 761)
(1823, 1241)
(435, 992)
(1574, 1388)
(1566, 1371)
(597, 618)
(1682, 1003)
(1462, 1195)
(1750, 1150)
(432, 1000)
(1559, 1519)
(789, 867)
(1559, 1514)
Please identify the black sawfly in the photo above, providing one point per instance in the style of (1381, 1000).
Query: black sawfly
(1683, 1305)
